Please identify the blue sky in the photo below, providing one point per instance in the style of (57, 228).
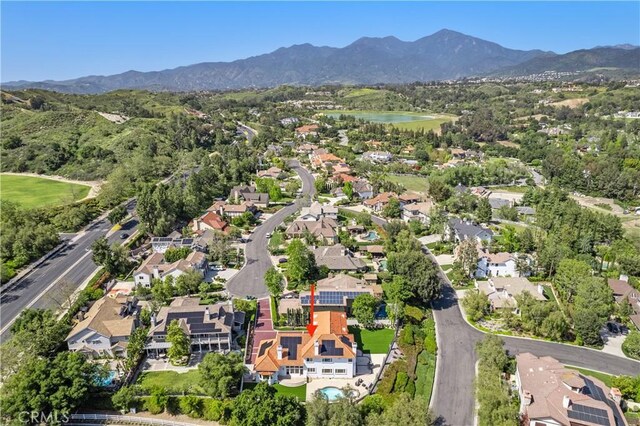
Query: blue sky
(67, 40)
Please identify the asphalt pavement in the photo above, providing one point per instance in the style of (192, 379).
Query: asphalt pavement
(50, 284)
(250, 280)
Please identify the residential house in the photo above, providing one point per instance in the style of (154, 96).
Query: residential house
(526, 211)
(363, 189)
(233, 210)
(340, 169)
(330, 353)
(209, 221)
(106, 327)
(318, 211)
(499, 264)
(552, 394)
(271, 172)
(409, 197)
(320, 159)
(376, 251)
(238, 190)
(377, 156)
(502, 291)
(418, 211)
(209, 327)
(497, 203)
(380, 201)
(338, 292)
(162, 244)
(248, 193)
(156, 267)
(325, 229)
(338, 258)
(307, 130)
(306, 148)
(622, 291)
(288, 121)
(458, 230)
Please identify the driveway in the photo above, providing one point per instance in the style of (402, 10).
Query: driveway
(264, 327)
(250, 280)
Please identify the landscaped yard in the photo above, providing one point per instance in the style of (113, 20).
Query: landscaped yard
(425, 374)
(30, 191)
(173, 381)
(372, 341)
(411, 183)
(299, 392)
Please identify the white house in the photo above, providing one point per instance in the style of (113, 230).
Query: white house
(156, 267)
(317, 211)
(105, 329)
(417, 211)
(458, 230)
(330, 353)
(499, 264)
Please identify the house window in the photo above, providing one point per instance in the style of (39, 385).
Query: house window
(327, 360)
(341, 371)
(327, 371)
(311, 370)
(350, 360)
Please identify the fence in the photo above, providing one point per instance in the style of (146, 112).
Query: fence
(118, 419)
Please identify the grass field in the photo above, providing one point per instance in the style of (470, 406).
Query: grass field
(400, 119)
(172, 381)
(299, 392)
(372, 341)
(411, 183)
(606, 378)
(30, 192)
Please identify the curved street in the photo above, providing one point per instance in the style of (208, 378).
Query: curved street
(250, 280)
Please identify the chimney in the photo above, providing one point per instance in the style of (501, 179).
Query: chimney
(528, 398)
(566, 402)
(354, 348)
(207, 314)
(279, 351)
(316, 347)
(624, 278)
(156, 272)
(153, 320)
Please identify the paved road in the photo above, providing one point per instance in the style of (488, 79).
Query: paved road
(453, 398)
(50, 284)
(250, 280)
(247, 131)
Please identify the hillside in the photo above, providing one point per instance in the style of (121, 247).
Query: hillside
(443, 55)
(581, 60)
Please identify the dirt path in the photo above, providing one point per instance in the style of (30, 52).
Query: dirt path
(94, 184)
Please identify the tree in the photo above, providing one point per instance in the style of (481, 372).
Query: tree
(490, 351)
(125, 398)
(403, 411)
(219, 248)
(508, 213)
(439, 190)
(569, 274)
(135, 348)
(364, 309)
(301, 264)
(476, 305)
(263, 406)
(38, 333)
(418, 271)
(594, 295)
(587, 326)
(347, 188)
(117, 214)
(114, 259)
(274, 281)
(468, 256)
(220, 374)
(174, 254)
(393, 209)
(49, 386)
(180, 344)
(292, 186)
(344, 411)
(320, 184)
(483, 211)
(631, 346)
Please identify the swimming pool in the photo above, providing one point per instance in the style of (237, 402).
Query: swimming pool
(107, 381)
(332, 393)
(383, 265)
(371, 236)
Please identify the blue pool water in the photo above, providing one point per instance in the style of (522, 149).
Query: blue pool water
(107, 381)
(332, 393)
(383, 265)
(371, 236)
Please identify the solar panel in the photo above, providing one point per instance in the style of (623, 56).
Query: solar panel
(263, 347)
(291, 343)
(589, 414)
(328, 347)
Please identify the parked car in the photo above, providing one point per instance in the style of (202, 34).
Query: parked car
(268, 234)
(613, 327)
(124, 236)
(283, 260)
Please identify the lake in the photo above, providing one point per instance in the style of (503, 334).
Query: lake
(384, 117)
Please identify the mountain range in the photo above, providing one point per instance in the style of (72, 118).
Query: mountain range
(443, 55)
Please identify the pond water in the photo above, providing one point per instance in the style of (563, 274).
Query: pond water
(382, 117)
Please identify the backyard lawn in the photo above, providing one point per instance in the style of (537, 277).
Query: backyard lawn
(373, 341)
(30, 191)
(299, 392)
(172, 381)
(411, 183)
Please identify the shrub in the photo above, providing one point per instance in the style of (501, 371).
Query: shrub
(213, 410)
(413, 314)
(410, 388)
(406, 336)
(191, 406)
(401, 382)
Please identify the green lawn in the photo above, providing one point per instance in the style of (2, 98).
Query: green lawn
(172, 381)
(426, 125)
(372, 341)
(425, 374)
(30, 192)
(606, 378)
(516, 189)
(411, 183)
(299, 392)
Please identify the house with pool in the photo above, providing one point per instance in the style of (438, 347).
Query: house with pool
(331, 352)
